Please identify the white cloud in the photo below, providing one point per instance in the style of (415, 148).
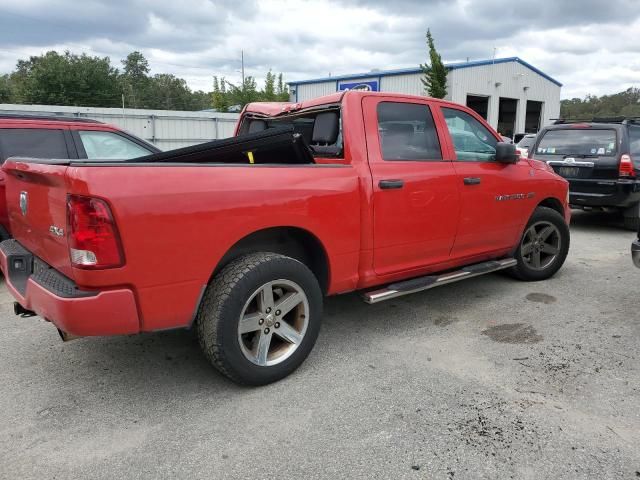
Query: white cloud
(591, 46)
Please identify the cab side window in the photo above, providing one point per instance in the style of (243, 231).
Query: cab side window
(407, 132)
(471, 140)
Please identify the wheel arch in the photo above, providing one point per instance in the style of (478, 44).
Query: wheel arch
(552, 203)
(294, 242)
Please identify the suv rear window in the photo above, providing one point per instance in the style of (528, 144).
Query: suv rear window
(578, 141)
(634, 140)
(32, 142)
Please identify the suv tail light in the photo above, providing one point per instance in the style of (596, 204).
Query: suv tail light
(626, 166)
(92, 234)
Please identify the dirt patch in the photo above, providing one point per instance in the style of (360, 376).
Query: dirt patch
(513, 333)
(541, 298)
(443, 321)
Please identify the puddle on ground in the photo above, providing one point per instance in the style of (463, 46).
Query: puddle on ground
(513, 333)
(541, 298)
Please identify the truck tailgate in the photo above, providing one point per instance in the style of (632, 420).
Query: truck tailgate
(36, 195)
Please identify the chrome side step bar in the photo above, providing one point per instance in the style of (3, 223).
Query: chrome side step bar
(406, 287)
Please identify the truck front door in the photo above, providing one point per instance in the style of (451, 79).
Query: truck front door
(416, 197)
(495, 196)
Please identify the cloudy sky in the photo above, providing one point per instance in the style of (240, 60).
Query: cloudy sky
(591, 46)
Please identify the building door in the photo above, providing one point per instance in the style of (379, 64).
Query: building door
(533, 114)
(479, 104)
(507, 108)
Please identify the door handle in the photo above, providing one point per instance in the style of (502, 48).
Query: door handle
(472, 181)
(390, 184)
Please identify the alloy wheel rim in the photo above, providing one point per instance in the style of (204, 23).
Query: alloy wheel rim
(273, 322)
(540, 245)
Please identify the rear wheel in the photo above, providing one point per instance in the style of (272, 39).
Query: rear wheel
(544, 246)
(260, 318)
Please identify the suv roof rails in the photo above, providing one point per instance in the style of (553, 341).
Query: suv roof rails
(55, 118)
(621, 120)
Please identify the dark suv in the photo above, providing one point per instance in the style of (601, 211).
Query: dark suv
(601, 161)
(62, 137)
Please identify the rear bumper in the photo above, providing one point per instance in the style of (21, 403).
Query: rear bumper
(604, 193)
(40, 288)
(635, 252)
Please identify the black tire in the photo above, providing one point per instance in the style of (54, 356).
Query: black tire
(524, 270)
(224, 302)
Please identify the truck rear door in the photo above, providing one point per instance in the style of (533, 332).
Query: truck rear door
(416, 198)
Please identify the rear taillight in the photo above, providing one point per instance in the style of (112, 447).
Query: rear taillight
(626, 166)
(92, 234)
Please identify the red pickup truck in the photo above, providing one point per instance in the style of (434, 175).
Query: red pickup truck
(241, 238)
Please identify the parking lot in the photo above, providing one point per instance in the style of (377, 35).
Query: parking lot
(488, 378)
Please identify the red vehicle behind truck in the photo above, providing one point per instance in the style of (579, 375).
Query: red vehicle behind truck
(28, 135)
(381, 193)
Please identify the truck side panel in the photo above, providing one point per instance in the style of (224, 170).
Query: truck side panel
(177, 222)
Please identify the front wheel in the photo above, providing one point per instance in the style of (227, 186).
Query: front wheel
(544, 246)
(260, 318)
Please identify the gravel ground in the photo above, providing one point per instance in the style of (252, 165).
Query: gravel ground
(488, 378)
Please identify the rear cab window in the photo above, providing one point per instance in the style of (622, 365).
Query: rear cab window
(321, 129)
(579, 142)
(33, 142)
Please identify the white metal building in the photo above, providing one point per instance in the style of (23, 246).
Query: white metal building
(167, 129)
(512, 95)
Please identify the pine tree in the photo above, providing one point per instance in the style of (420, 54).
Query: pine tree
(435, 73)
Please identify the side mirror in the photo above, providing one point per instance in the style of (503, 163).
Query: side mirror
(506, 153)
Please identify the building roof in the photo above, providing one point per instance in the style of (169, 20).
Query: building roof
(405, 71)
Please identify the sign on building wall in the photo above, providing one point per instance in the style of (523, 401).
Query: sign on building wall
(366, 86)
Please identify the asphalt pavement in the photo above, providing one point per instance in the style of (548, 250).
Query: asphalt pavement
(487, 378)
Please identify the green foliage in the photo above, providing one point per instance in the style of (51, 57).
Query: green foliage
(626, 104)
(226, 95)
(5, 89)
(434, 73)
(82, 80)
(68, 79)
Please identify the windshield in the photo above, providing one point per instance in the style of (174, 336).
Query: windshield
(579, 142)
(527, 142)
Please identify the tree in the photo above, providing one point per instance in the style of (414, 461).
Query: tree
(219, 97)
(245, 93)
(166, 91)
(282, 92)
(435, 73)
(135, 79)
(269, 92)
(626, 103)
(68, 79)
(6, 95)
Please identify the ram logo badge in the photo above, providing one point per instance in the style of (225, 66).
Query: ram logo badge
(57, 231)
(24, 203)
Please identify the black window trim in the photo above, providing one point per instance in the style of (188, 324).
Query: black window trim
(82, 154)
(429, 107)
